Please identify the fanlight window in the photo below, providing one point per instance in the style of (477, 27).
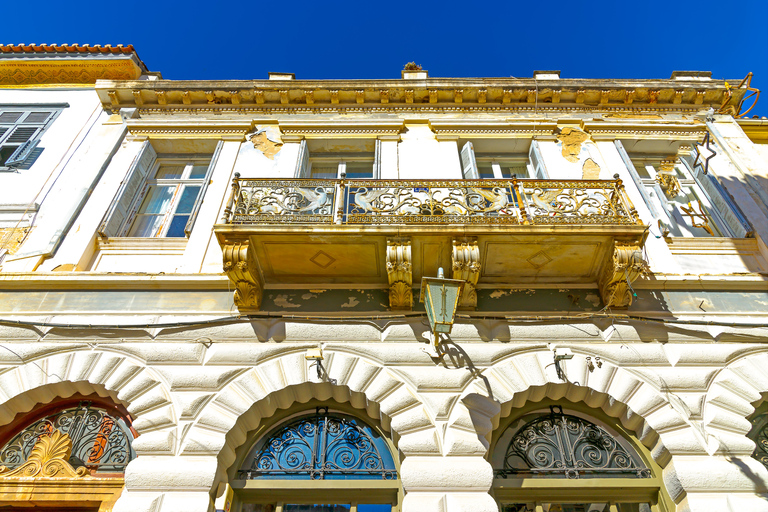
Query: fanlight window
(321, 446)
(101, 441)
(759, 434)
(562, 445)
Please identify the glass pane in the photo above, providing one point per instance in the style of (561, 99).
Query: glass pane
(316, 508)
(634, 507)
(485, 170)
(323, 170)
(518, 507)
(575, 507)
(359, 170)
(146, 225)
(198, 171)
(170, 172)
(187, 201)
(176, 229)
(158, 200)
(253, 507)
(517, 168)
(381, 507)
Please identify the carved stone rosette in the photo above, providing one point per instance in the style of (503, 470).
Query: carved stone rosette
(625, 267)
(466, 267)
(241, 268)
(399, 273)
(48, 459)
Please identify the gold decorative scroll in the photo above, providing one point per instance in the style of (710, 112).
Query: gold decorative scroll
(242, 269)
(399, 274)
(624, 268)
(466, 267)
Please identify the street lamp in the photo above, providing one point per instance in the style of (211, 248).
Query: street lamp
(440, 297)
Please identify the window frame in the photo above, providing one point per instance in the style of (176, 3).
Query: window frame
(25, 150)
(306, 159)
(611, 490)
(470, 161)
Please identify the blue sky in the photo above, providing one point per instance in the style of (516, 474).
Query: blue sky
(342, 39)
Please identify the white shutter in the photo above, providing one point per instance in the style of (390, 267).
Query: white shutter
(468, 163)
(22, 153)
(537, 161)
(377, 161)
(114, 222)
(636, 179)
(302, 162)
(203, 189)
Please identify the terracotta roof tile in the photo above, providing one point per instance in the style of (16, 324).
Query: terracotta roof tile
(64, 48)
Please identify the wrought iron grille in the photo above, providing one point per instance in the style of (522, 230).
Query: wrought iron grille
(558, 444)
(322, 446)
(545, 202)
(759, 434)
(100, 441)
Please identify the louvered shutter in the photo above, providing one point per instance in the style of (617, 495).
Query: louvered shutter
(10, 117)
(377, 161)
(37, 117)
(203, 189)
(720, 198)
(302, 162)
(637, 180)
(22, 134)
(22, 153)
(468, 163)
(537, 161)
(114, 222)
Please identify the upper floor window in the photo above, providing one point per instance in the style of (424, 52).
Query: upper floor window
(489, 159)
(160, 195)
(20, 131)
(683, 200)
(334, 159)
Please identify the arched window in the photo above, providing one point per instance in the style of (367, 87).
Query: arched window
(759, 433)
(326, 461)
(542, 459)
(101, 438)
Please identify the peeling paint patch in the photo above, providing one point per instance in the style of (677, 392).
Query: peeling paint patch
(351, 303)
(572, 138)
(499, 293)
(593, 299)
(590, 170)
(308, 296)
(268, 140)
(318, 291)
(283, 302)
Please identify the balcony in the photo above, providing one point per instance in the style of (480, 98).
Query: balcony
(306, 233)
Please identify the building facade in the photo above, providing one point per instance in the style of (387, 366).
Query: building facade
(213, 293)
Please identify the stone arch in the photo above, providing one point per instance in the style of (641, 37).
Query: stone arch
(128, 382)
(731, 398)
(529, 376)
(222, 423)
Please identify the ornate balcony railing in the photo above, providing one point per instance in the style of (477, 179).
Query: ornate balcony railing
(376, 202)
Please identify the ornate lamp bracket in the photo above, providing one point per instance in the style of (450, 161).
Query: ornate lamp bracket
(399, 273)
(624, 268)
(241, 268)
(466, 267)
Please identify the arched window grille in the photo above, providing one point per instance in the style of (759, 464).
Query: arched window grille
(101, 440)
(759, 434)
(563, 445)
(321, 446)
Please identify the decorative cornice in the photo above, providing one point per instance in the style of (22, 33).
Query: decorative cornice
(230, 130)
(362, 128)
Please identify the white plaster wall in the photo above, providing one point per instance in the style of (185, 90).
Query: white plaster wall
(422, 156)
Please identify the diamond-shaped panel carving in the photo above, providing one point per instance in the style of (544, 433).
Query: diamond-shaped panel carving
(539, 259)
(322, 260)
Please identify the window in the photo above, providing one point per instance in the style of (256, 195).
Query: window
(20, 132)
(683, 200)
(330, 160)
(759, 434)
(320, 448)
(500, 159)
(542, 457)
(160, 195)
(101, 439)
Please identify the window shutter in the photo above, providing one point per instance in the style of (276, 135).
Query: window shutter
(203, 189)
(3, 129)
(537, 161)
(114, 221)
(22, 134)
(37, 117)
(377, 161)
(468, 163)
(23, 152)
(302, 163)
(10, 117)
(637, 180)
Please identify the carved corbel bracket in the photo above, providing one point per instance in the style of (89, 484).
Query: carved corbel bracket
(399, 273)
(466, 266)
(667, 178)
(48, 459)
(624, 268)
(241, 268)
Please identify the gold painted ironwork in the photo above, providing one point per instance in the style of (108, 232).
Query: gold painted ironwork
(691, 212)
(368, 202)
